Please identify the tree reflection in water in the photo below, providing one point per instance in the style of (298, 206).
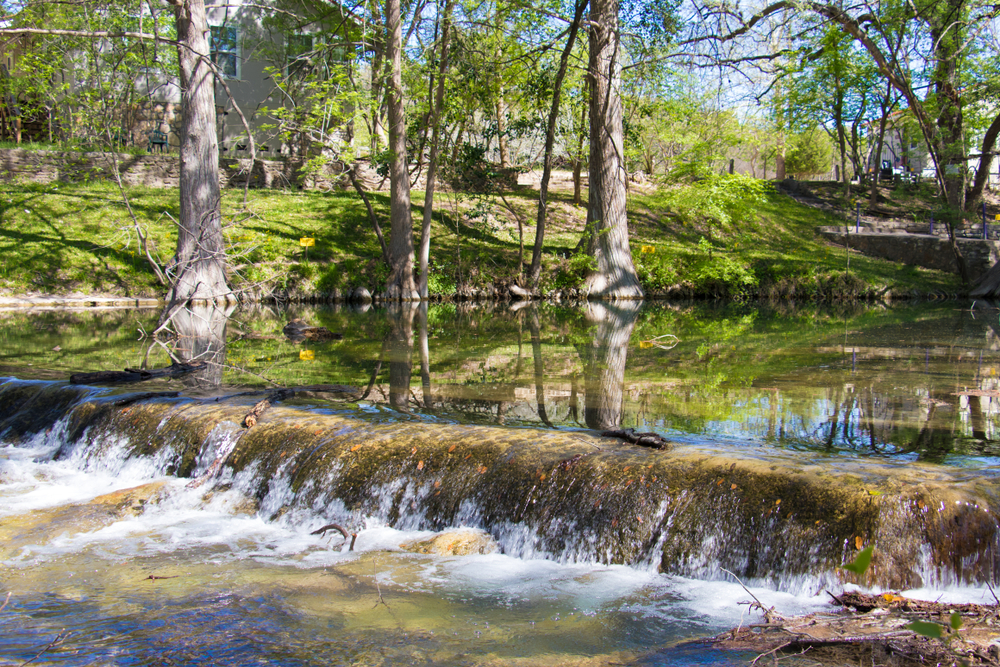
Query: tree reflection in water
(400, 350)
(604, 361)
(200, 335)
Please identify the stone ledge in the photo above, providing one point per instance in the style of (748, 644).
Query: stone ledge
(930, 252)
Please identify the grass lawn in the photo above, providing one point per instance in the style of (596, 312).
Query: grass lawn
(65, 238)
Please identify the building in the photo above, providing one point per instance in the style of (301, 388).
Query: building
(264, 60)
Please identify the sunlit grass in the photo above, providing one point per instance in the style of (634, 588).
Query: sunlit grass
(61, 238)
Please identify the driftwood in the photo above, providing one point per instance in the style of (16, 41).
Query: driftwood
(252, 417)
(250, 420)
(872, 629)
(343, 531)
(144, 396)
(651, 440)
(135, 374)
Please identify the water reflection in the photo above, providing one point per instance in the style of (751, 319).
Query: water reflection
(198, 333)
(914, 382)
(604, 362)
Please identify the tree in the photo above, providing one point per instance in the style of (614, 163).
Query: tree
(550, 138)
(400, 285)
(198, 270)
(942, 35)
(607, 223)
(809, 153)
(432, 165)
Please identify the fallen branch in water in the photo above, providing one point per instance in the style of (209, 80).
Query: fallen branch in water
(867, 626)
(757, 603)
(59, 639)
(144, 396)
(250, 420)
(343, 531)
(651, 440)
(135, 375)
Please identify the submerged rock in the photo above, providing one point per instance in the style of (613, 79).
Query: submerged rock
(464, 542)
(298, 330)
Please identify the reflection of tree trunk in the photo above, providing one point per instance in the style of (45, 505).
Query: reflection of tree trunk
(536, 351)
(574, 398)
(400, 353)
(936, 439)
(976, 417)
(425, 357)
(201, 336)
(834, 423)
(604, 362)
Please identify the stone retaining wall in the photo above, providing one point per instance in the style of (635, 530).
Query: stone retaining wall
(931, 252)
(159, 170)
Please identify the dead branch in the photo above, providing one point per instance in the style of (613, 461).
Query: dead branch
(135, 375)
(651, 440)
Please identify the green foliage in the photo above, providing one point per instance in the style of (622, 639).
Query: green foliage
(809, 153)
(656, 270)
(927, 629)
(720, 273)
(89, 91)
(472, 172)
(718, 200)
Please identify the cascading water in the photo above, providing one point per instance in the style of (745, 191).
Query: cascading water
(569, 497)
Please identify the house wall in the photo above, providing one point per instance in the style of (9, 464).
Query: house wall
(163, 170)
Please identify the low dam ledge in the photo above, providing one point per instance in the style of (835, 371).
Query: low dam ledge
(781, 518)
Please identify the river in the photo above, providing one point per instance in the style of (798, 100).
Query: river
(157, 529)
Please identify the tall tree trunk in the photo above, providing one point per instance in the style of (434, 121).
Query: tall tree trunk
(578, 160)
(400, 284)
(432, 166)
(377, 138)
(615, 276)
(198, 269)
(946, 33)
(985, 162)
(550, 139)
(502, 143)
(838, 111)
(886, 104)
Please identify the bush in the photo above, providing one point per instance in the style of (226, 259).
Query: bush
(720, 200)
(809, 153)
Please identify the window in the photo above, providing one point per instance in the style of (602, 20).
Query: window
(225, 50)
(299, 52)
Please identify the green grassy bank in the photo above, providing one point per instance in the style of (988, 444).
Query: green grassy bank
(81, 238)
